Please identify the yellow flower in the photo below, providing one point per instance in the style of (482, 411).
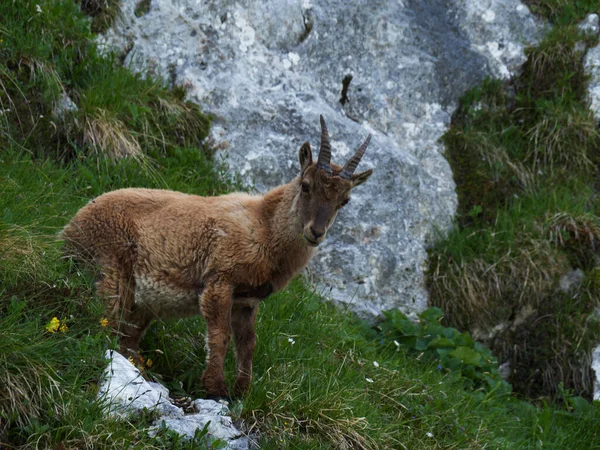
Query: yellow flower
(104, 322)
(130, 359)
(149, 362)
(63, 328)
(53, 325)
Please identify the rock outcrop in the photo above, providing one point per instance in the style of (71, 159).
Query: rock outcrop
(266, 69)
(124, 392)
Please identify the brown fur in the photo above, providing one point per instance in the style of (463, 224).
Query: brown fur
(164, 254)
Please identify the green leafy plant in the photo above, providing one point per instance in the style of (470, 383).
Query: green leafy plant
(457, 353)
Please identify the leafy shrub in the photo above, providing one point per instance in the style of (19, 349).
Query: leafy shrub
(456, 352)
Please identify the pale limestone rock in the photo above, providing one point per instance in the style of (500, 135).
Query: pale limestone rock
(124, 392)
(267, 69)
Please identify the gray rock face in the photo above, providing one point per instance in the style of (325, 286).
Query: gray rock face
(125, 392)
(267, 69)
(596, 369)
(592, 68)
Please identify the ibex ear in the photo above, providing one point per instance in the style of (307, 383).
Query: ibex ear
(361, 177)
(305, 156)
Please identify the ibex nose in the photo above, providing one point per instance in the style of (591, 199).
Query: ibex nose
(316, 232)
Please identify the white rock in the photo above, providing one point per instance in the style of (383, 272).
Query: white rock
(596, 369)
(63, 106)
(591, 24)
(571, 280)
(125, 391)
(592, 69)
(210, 414)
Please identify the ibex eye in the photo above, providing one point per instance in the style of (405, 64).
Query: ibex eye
(305, 187)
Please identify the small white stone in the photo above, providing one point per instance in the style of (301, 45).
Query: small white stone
(488, 15)
(591, 24)
(294, 58)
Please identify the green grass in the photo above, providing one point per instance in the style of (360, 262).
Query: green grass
(315, 382)
(525, 157)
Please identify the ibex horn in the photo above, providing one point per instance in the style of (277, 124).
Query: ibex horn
(352, 163)
(325, 150)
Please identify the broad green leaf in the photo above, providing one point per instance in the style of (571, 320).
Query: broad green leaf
(441, 342)
(432, 314)
(467, 355)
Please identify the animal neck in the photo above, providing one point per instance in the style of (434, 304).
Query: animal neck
(285, 240)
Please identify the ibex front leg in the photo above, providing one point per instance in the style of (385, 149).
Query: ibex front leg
(215, 303)
(242, 321)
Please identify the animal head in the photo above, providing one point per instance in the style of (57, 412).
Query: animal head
(325, 187)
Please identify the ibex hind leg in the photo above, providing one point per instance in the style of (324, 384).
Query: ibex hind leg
(116, 285)
(242, 323)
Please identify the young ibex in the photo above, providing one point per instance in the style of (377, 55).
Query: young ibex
(168, 254)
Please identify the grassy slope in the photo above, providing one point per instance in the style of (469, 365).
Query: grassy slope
(525, 159)
(312, 366)
(315, 385)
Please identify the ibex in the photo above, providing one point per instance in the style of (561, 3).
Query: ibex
(168, 254)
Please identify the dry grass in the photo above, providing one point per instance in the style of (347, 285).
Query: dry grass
(483, 294)
(562, 140)
(110, 136)
(23, 250)
(566, 230)
(27, 385)
(514, 305)
(343, 433)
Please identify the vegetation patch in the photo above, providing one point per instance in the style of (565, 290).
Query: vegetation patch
(455, 353)
(563, 12)
(60, 97)
(142, 7)
(516, 269)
